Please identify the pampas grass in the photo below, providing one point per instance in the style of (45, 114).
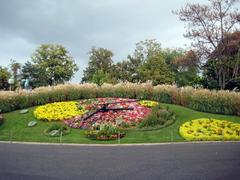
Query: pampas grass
(222, 102)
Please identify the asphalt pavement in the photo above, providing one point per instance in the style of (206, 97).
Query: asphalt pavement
(220, 161)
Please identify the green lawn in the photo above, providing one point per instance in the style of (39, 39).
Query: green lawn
(15, 129)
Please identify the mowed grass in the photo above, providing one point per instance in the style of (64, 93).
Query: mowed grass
(15, 129)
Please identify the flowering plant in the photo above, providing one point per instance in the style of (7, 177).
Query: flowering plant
(124, 117)
(148, 103)
(105, 131)
(59, 111)
(210, 129)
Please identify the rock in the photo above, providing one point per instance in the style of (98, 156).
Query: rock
(54, 133)
(23, 111)
(32, 123)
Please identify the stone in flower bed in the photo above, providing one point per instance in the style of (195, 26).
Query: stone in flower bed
(128, 117)
(210, 130)
(32, 123)
(59, 111)
(24, 111)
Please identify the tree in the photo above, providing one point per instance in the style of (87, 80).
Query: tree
(59, 66)
(146, 49)
(186, 68)
(230, 54)
(100, 59)
(35, 74)
(208, 25)
(132, 66)
(127, 70)
(99, 77)
(4, 76)
(156, 70)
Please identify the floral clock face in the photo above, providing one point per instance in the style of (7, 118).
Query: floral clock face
(135, 113)
(120, 111)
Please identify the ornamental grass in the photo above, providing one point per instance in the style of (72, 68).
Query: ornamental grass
(222, 102)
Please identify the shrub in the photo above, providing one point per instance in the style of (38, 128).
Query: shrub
(159, 118)
(56, 130)
(105, 131)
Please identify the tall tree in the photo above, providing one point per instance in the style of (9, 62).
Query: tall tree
(129, 69)
(156, 70)
(100, 59)
(207, 27)
(59, 66)
(35, 74)
(186, 73)
(4, 76)
(230, 54)
(99, 78)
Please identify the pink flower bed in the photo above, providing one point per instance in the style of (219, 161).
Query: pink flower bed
(127, 116)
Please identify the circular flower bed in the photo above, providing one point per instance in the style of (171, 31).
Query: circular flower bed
(210, 130)
(124, 118)
(59, 111)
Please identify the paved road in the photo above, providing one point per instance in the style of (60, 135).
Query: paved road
(174, 161)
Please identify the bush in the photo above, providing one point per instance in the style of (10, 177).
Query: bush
(56, 130)
(159, 118)
(105, 131)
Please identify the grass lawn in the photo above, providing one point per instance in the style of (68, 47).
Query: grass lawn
(15, 129)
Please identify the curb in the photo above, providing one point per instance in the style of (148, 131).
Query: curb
(115, 145)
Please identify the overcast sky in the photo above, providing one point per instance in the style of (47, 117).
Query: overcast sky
(79, 25)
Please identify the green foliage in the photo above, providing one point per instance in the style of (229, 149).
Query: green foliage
(4, 76)
(1, 118)
(159, 118)
(105, 131)
(100, 60)
(99, 77)
(59, 66)
(57, 129)
(156, 70)
(35, 74)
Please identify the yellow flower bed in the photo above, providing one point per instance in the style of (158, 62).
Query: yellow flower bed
(58, 111)
(148, 103)
(210, 130)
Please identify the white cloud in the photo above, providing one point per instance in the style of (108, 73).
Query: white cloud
(81, 24)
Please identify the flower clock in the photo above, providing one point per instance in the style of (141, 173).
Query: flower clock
(117, 111)
(104, 118)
